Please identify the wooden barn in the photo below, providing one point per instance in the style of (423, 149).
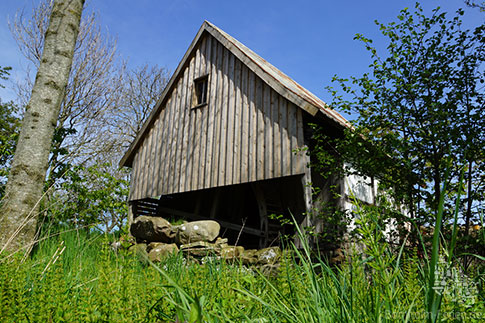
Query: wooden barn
(227, 141)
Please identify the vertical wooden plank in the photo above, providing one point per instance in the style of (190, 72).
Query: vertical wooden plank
(188, 122)
(184, 158)
(184, 116)
(143, 165)
(149, 163)
(203, 56)
(293, 136)
(260, 132)
(206, 70)
(211, 111)
(223, 126)
(172, 135)
(189, 135)
(245, 120)
(163, 143)
(275, 115)
(156, 160)
(253, 128)
(140, 171)
(192, 162)
(158, 157)
(218, 115)
(301, 164)
(197, 115)
(309, 219)
(236, 160)
(134, 177)
(285, 138)
(268, 133)
(166, 141)
(230, 122)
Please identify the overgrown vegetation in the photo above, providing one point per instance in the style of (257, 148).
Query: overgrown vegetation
(76, 277)
(420, 107)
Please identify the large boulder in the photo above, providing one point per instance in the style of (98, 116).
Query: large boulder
(196, 231)
(161, 251)
(150, 228)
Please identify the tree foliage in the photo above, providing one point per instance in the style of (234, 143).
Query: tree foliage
(420, 111)
(9, 130)
(90, 197)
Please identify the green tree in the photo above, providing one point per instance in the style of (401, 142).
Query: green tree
(89, 197)
(419, 110)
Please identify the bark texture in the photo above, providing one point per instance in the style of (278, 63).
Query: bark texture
(18, 214)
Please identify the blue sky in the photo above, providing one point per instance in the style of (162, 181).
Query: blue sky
(309, 40)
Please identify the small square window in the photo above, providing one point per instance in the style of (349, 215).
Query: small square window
(200, 86)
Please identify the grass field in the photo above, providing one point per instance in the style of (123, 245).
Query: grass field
(76, 277)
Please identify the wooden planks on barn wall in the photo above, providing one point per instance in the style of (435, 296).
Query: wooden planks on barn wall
(293, 130)
(143, 174)
(170, 125)
(203, 113)
(134, 178)
(221, 172)
(217, 116)
(183, 142)
(197, 114)
(154, 159)
(229, 138)
(165, 144)
(186, 158)
(211, 111)
(246, 132)
(253, 128)
(260, 140)
(238, 108)
(192, 144)
(162, 147)
(285, 138)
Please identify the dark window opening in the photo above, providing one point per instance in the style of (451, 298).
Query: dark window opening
(201, 85)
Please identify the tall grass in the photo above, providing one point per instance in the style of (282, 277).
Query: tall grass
(75, 277)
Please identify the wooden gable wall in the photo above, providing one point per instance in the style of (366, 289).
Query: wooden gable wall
(247, 131)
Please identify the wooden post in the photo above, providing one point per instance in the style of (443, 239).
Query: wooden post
(215, 203)
(308, 220)
(263, 213)
(130, 217)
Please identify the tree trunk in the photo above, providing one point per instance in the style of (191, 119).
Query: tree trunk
(18, 214)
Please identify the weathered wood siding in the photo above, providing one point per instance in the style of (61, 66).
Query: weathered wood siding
(246, 132)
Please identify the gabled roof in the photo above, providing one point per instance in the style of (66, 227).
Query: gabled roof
(279, 81)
